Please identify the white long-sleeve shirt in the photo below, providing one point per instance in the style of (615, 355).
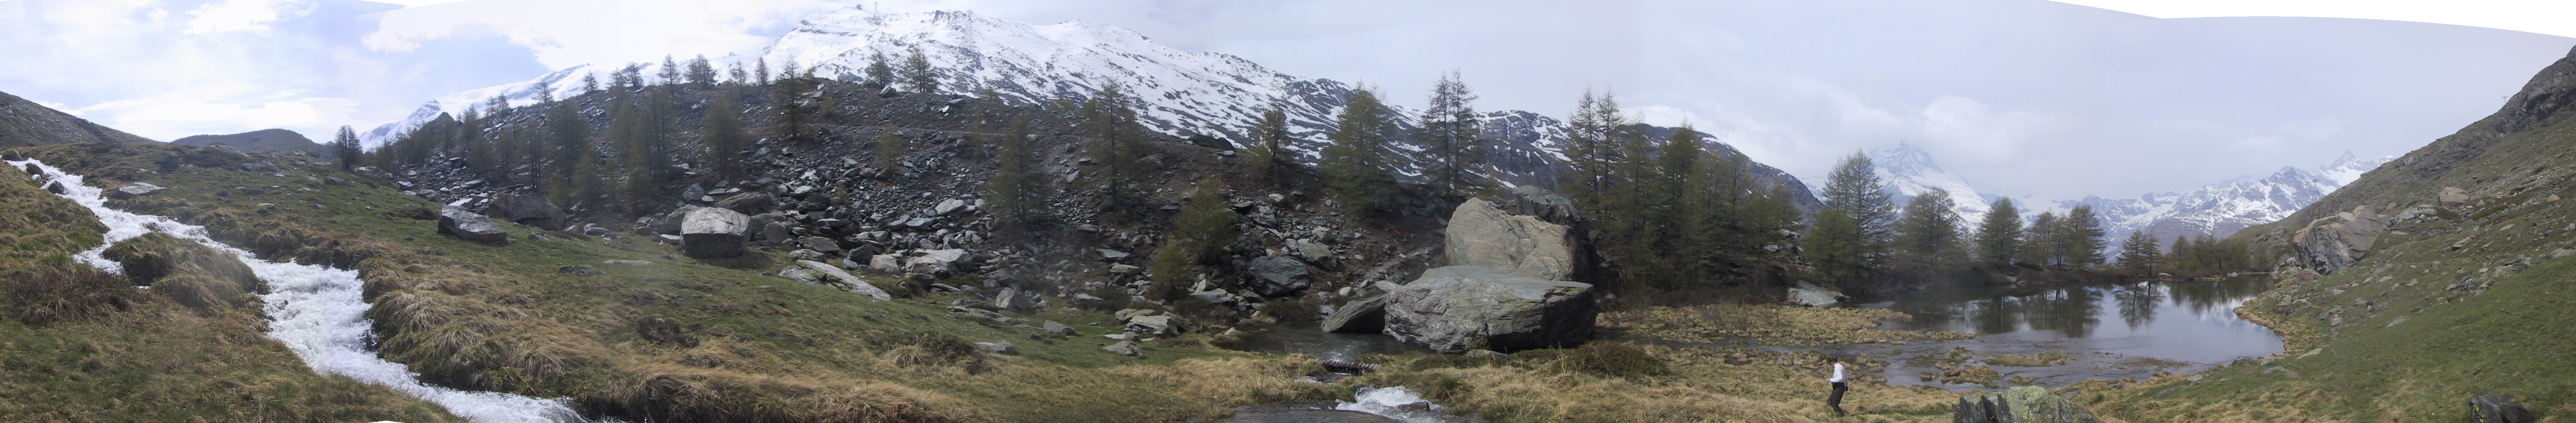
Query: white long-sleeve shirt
(1838, 374)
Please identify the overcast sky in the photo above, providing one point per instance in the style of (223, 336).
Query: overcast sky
(2021, 97)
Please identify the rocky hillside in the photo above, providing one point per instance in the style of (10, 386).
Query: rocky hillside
(24, 123)
(1181, 94)
(278, 140)
(2433, 279)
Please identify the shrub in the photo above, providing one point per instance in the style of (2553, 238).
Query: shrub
(1611, 359)
(57, 290)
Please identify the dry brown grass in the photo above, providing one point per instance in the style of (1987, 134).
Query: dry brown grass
(1700, 387)
(1716, 322)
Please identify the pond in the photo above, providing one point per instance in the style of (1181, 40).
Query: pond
(2107, 331)
(1307, 337)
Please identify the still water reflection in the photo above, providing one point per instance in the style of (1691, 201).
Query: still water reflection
(2181, 321)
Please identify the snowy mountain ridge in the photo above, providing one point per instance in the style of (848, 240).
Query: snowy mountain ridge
(1177, 92)
(2217, 209)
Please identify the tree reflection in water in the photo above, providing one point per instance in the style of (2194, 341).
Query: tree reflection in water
(2138, 303)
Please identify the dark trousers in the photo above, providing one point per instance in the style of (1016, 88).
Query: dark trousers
(1836, 400)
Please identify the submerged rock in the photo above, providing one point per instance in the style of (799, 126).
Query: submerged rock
(1458, 308)
(137, 189)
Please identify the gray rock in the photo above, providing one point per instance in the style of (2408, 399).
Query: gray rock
(934, 261)
(819, 244)
(1314, 252)
(1158, 325)
(2452, 195)
(55, 187)
(580, 270)
(2021, 404)
(627, 262)
(887, 263)
(137, 189)
(526, 210)
(1111, 254)
(1486, 354)
(837, 278)
(799, 274)
(1214, 296)
(1808, 294)
(1125, 348)
(669, 223)
(714, 232)
(2498, 409)
(1274, 275)
(805, 254)
(1483, 236)
(2334, 242)
(1003, 348)
(1057, 328)
(777, 232)
(1543, 204)
(1012, 299)
(1365, 315)
(749, 202)
(946, 206)
(470, 227)
(262, 166)
(1458, 308)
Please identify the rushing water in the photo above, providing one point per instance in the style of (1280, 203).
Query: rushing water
(2107, 330)
(315, 311)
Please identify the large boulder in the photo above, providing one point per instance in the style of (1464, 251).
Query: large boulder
(1363, 315)
(470, 227)
(1459, 308)
(1275, 275)
(2021, 404)
(714, 232)
(1808, 294)
(2334, 242)
(1481, 235)
(2499, 409)
(526, 210)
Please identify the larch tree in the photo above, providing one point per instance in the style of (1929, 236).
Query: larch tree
(878, 70)
(723, 136)
(1109, 116)
(345, 148)
(1930, 229)
(1448, 127)
(917, 74)
(1018, 184)
(2139, 255)
(1356, 165)
(701, 74)
(2081, 234)
(1855, 189)
(1999, 238)
(1268, 155)
(670, 73)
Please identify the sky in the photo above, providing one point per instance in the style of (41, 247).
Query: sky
(2021, 97)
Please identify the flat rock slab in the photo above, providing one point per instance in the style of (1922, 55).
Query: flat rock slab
(1459, 308)
(842, 279)
(1365, 315)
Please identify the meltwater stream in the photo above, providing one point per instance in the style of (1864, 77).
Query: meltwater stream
(315, 310)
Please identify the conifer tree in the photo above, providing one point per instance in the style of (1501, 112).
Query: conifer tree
(1269, 156)
(1930, 230)
(2179, 256)
(1110, 118)
(890, 147)
(1999, 239)
(760, 71)
(1584, 137)
(1854, 188)
(2139, 255)
(1200, 233)
(701, 74)
(589, 82)
(878, 71)
(1017, 186)
(345, 149)
(1449, 129)
(723, 136)
(1834, 245)
(739, 76)
(1355, 166)
(670, 73)
(2082, 234)
(797, 101)
(2040, 245)
(788, 70)
(917, 74)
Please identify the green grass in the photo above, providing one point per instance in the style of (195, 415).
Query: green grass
(2424, 342)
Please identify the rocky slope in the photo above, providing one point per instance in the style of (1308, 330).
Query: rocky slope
(24, 123)
(1181, 94)
(2435, 278)
(261, 140)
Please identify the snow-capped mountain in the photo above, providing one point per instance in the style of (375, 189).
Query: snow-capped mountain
(1177, 92)
(1909, 172)
(2223, 208)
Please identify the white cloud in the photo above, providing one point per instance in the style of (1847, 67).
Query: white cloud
(566, 33)
(219, 110)
(243, 15)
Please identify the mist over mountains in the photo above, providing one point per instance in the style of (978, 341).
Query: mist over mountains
(2218, 209)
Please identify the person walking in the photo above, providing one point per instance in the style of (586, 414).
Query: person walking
(1836, 399)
